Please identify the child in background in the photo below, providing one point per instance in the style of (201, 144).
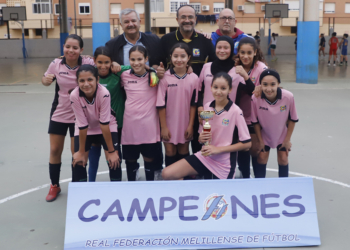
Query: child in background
(111, 81)
(333, 47)
(95, 123)
(344, 50)
(177, 104)
(229, 134)
(274, 117)
(141, 132)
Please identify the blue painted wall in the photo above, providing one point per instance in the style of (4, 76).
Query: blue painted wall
(101, 34)
(63, 37)
(307, 52)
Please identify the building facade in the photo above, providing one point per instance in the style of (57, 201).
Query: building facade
(43, 16)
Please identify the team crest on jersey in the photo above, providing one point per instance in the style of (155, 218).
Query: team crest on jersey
(253, 79)
(196, 52)
(283, 108)
(225, 122)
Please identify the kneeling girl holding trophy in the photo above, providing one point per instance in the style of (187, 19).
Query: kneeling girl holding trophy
(177, 104)
(226, 134)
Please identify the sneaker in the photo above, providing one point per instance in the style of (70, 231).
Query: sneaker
(53, 193)
(137, 175)
(341, 64)
(329, 64)
(334, 65)
(158, 175)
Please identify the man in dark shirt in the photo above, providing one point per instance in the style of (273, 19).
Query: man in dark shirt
(322, 46)
(257, 37)
(202, 50)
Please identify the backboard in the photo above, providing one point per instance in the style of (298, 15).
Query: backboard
(276, 10)
(14, 13)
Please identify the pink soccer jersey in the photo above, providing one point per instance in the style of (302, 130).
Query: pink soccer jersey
(206, 78)
(245, 102)
(227, 128)
(141, 120)
(65, 80)
(177, 95)
(91, 114)
(273, 117)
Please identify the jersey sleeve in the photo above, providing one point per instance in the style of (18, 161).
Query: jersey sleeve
(52, 68)
(162, 94)
(254, 113)
(105, 108)
(80, 117)
(243, 132)
(292, 111)
(122, 77)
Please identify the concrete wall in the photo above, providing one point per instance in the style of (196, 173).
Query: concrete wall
(37, 48)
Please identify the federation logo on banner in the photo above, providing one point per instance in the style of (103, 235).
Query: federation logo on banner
(215, 206)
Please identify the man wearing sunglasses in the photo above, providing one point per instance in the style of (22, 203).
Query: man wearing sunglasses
(227, 23)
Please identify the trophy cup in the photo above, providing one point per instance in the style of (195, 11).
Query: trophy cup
(206, 115)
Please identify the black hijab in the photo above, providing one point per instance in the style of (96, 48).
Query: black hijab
(223, 65)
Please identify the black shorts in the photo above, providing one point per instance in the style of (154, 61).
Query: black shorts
(201, 169)
(267, 148)
(251, 129)
(60, 128)
(97, 139)
(151, 150)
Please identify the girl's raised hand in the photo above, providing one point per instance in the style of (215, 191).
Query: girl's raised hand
(113, 160)
(257, 91)
(240, 70)
(116, 67)
(165, 134)
(160, 71)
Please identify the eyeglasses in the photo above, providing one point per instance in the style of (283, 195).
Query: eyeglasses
(224, 18)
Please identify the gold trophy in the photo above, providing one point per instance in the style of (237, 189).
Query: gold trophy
(206, 115)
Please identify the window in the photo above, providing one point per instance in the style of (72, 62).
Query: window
(292, 5)
(196, 7)
(57, 9)
(26, 32)
(38, 32)
(321, 6)
(157, 5)
(116, 8)
(84, 8)
(329, 8)
(249, 8)
(218, 7)
(347, 8)
(174, 5)
(42, 7)
(140, 8)
(161, 30)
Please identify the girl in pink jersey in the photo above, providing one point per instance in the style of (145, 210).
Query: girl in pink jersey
(274, 116)
(62, 70)
(177, 104)
(95, 124)
(229, 134)
(141, 132)
(250, 64)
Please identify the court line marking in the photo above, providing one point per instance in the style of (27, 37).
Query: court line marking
(106, 172)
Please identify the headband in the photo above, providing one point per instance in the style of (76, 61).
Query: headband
(270, 72)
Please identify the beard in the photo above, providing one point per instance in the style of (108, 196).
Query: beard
(182, 27)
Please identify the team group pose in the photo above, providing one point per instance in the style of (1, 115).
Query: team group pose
(131, 96)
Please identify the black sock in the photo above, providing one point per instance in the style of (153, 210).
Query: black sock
(283, 170)
(149, 170)
(329, 61)
(54, 170)
(115, 174)
(254, 161)
(180, 156)
(170, 160)
(131, 169)
(334, 62)
(259, 170)
(244, 163)
(79, 173)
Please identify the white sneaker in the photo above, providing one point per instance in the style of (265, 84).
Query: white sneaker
(334, 65)
(329, 64)
(138, 175)
(158, 175)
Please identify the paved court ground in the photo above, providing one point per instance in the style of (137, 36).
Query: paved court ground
(27, 221)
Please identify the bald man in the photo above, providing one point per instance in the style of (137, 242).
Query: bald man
(227, 23)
